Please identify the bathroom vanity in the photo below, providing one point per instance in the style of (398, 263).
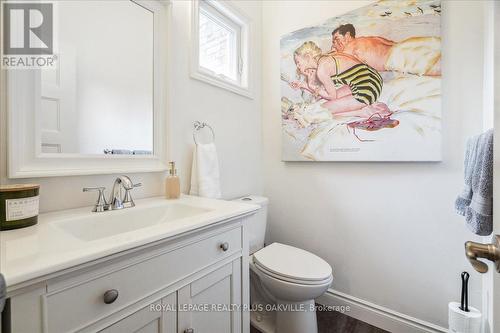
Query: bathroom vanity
(163, 266)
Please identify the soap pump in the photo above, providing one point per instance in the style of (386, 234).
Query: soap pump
(172, 183)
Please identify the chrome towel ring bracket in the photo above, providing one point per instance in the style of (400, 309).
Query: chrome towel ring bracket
(199, 126)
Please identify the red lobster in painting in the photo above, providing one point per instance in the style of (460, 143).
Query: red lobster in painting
(374, 123)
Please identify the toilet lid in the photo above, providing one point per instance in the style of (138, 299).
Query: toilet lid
(293, 263)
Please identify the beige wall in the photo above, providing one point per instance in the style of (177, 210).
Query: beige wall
(236, 120)
(388, 229)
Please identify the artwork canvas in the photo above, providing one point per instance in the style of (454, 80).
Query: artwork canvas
(364, 86)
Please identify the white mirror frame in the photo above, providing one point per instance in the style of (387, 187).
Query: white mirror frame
(25, 159)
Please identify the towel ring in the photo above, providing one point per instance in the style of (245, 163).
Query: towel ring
(200, 125)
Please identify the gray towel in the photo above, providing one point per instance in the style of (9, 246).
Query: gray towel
(476, 200)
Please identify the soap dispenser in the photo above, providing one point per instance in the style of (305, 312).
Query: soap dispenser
(172, 183)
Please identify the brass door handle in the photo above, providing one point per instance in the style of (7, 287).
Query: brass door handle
(473, 251)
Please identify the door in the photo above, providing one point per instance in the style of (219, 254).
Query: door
(205, 305)
(491, 280)
(58, 109)
(159, 317)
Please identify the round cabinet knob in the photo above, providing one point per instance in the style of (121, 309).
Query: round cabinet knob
(110, 296)
(224, 246)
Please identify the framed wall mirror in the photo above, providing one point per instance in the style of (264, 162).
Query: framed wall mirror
(102, 107)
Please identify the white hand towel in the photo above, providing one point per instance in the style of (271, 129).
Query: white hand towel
(205, 180)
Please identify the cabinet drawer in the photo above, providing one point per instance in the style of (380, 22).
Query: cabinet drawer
(77, 306)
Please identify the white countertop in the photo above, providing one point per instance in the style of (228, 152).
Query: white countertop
(36, 251)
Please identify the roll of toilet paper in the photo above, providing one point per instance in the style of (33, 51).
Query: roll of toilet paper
(463, 322)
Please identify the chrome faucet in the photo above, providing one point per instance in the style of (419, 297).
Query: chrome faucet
(116, 199)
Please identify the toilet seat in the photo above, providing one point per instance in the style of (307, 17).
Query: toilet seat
(291, 264)
(291, 280)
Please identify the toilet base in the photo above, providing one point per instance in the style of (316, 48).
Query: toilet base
(287, 318)
(265, 321)
(299, 319)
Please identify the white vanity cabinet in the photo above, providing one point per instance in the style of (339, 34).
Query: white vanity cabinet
(220, 289)
(147, 321)
(196, 280)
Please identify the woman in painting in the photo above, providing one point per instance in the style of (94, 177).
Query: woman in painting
(350, 87)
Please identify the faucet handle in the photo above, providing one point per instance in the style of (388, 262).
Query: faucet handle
(127, 198)
(101, 205)
(98, 188)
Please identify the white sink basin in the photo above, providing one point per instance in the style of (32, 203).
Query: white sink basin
(29, 253)
(111, 223)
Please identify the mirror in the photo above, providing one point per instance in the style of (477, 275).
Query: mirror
(99, 99)
(102, 108)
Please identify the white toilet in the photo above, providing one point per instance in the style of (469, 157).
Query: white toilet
(284, 280)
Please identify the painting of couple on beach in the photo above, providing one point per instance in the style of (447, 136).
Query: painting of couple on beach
(364, 86)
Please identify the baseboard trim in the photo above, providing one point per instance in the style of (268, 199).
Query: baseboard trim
(377, 315)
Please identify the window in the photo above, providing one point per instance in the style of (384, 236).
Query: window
(217, 45)
(220, 46)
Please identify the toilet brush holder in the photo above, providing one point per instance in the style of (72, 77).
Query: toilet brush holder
(460, 321)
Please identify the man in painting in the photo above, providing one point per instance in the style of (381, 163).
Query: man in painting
(415, 55)
(348, 86)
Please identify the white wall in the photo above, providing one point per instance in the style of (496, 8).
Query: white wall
(236, 120)
(388, 229)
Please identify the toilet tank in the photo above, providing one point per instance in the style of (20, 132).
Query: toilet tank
(256, 224)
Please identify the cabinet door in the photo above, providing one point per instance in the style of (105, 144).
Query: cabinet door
(159, 317)
(212, 303)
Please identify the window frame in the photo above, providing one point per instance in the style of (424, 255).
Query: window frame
(231, 17)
